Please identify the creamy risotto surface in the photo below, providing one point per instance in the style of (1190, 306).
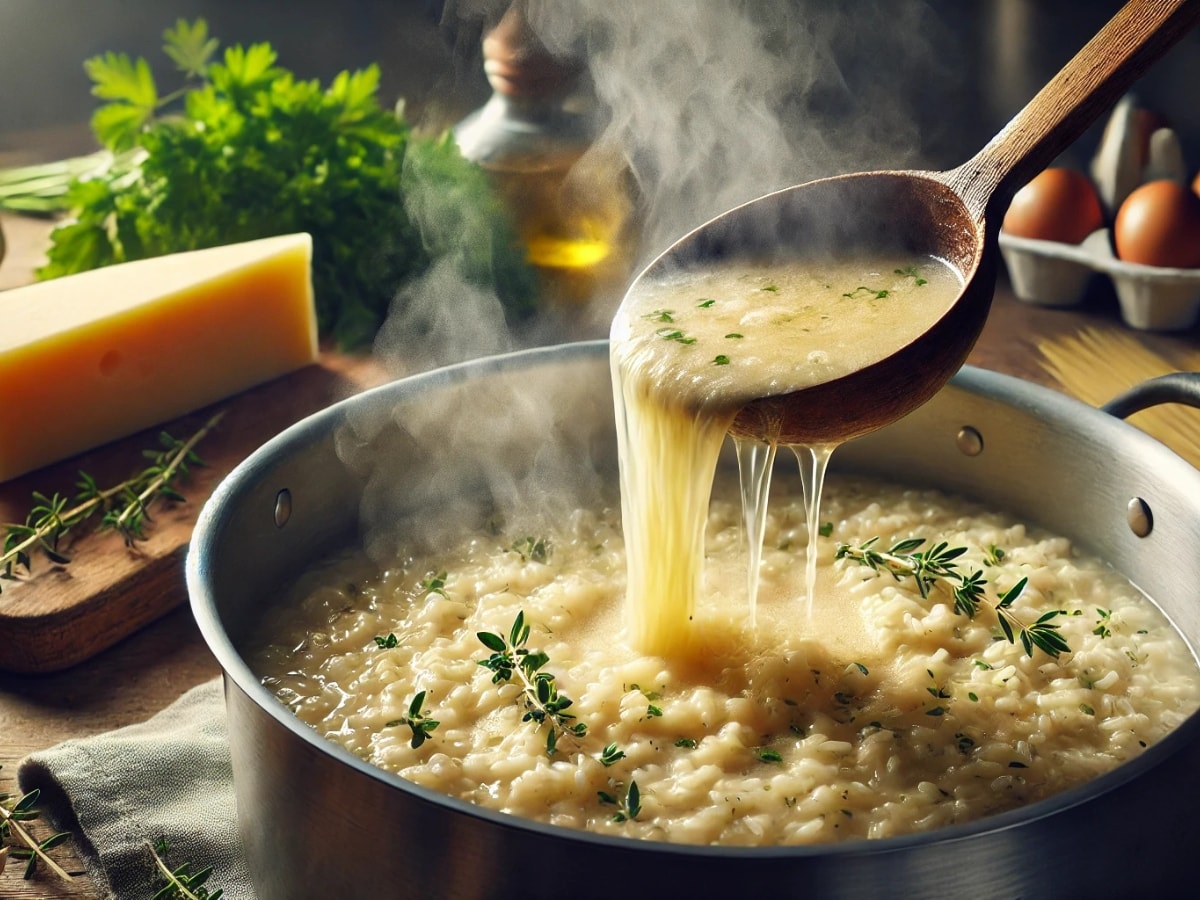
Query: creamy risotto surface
(884, 713)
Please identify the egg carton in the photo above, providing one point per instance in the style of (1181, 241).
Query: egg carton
(1050, 273)
(1151, 298)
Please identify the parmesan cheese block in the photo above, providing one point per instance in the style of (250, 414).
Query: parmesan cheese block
(89, 358)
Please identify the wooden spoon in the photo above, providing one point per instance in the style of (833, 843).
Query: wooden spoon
(953, 215)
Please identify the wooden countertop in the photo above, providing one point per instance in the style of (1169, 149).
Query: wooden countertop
(147, 671)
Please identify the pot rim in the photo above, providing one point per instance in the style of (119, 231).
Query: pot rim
(1009, 389)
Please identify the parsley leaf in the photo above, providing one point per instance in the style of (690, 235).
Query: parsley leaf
(246, 150)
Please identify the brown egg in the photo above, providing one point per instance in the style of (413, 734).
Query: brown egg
(1058, 205)
(1159, 225)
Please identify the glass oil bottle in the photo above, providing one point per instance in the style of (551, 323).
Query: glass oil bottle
(569, 200)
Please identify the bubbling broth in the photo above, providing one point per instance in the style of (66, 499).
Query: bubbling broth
(689, 351)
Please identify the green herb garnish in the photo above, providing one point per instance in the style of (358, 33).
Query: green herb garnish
(531, 548)
(434, 583)
(674, 334)
(610, 755)
(417, 720)
(873, 292)
(938, 566)
(687, 743)
(912, 272)
(938, 693)
(720, 360)
(387, 642)
(629, 803)
(544, 705)
(767, 755)
(705, 304)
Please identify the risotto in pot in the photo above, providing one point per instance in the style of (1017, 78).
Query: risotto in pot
(499, 672)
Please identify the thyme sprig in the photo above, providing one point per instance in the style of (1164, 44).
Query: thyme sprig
(123, 507)
(938, 566)
(628, 803)
(544, 705)
(418, 720)
(17, 842)
(537, 549)
(180, 883)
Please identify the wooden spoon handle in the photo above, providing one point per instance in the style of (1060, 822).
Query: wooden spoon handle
(1090, 84)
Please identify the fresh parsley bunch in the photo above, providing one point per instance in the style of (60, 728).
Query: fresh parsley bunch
(245, 150)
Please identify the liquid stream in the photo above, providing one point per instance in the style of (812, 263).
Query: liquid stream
(687, 354)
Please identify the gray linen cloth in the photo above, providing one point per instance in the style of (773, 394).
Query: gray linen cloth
(166, 777)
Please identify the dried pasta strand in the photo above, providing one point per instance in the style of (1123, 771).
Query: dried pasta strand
(1095, 366)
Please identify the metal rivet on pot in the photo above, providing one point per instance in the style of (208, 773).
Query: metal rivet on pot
(969, 441)
(1139, 517)
(283, 507)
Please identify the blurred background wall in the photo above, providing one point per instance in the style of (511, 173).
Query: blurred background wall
(899, 82)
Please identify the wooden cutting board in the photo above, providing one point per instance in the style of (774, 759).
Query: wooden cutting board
(59, 615)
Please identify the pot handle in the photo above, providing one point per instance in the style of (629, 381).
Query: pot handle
(1177, 387)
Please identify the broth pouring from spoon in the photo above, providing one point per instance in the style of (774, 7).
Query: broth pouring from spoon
(671, 422)
(953, 216)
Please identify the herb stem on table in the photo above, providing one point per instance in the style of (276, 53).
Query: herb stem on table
(34, 851)
(124, 507)
(180, 882)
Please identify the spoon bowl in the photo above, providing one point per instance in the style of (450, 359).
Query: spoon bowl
(954, 216)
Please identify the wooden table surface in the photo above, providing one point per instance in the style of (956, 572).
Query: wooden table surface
(135, 679)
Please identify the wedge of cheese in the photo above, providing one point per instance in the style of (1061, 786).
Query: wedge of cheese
(92, 357)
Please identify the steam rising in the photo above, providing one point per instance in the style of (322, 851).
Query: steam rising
(710, 104)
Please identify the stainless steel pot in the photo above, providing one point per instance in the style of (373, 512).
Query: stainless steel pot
(317, 821)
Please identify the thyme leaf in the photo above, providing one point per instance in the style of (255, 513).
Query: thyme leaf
(435, 583)
(878, 294)
(629, 803)
(674, 334)
(912, 272)
(531, 548)
(610, 755)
